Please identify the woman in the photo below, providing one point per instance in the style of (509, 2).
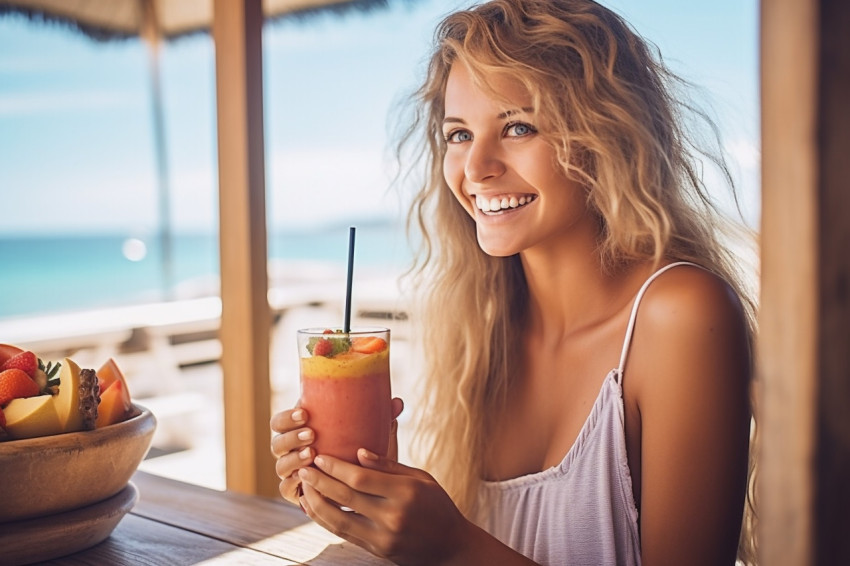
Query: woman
(587, 338)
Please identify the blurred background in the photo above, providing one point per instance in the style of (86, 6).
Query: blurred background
(109, 231)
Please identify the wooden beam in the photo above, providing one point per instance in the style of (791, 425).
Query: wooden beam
(804, 357)
(788, 329)
(245, 316)
(832, 467)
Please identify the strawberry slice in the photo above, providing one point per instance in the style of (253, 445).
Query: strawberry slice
(368, 344)
(16, 384)
(25, 361)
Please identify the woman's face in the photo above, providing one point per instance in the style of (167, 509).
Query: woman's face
(503, 172)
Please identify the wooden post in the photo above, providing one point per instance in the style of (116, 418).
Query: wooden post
(245, 316)
(832, 471)
(804, 341)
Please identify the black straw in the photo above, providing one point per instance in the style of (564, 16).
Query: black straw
(346, 327)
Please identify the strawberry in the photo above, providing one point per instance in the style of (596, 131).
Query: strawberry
(323, 348)
(333, 344)
(7, 351)
(15, 384)
(25, 361)
(368, 344)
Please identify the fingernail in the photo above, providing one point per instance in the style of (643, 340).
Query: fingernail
(367, 454)
(319, 461)
(304, 454)
(305, 435)
(298, 415)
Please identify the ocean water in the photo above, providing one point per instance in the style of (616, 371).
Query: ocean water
(40, 275)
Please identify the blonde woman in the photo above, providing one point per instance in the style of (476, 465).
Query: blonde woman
(587, 338)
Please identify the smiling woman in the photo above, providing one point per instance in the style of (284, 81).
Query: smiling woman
(587, 354)
(83, 161)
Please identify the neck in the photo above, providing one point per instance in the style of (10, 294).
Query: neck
(570, 292)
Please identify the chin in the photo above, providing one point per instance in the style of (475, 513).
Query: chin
(497, 249)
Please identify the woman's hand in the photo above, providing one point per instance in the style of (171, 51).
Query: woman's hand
(292, 446)
(400, 513)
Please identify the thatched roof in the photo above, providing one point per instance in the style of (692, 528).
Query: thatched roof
(117, 19)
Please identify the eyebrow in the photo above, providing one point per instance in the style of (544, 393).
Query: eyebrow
(501, 116)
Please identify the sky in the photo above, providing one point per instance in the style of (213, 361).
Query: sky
(76, 136)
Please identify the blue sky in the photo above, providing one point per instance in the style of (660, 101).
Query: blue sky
(76, 146)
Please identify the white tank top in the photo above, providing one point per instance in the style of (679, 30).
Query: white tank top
(582, 511)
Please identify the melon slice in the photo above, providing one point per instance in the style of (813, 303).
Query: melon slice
(31, 417)
(108, 374)
(111, 409)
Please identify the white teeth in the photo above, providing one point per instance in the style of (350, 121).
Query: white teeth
(496, 204)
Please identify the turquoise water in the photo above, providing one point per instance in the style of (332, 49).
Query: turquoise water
(40, 275)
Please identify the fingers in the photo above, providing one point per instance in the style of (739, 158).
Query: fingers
(372, 461)
(397, 407)
(291, 432)
(291, 447)
(290, 488)
(287, 420)
(293, 440)
(344, 524)
(291, 461)
(363, 478)
(332, 488)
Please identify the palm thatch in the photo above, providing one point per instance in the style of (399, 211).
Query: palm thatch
(107, 20)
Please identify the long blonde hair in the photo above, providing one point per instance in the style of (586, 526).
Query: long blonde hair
(616, 117)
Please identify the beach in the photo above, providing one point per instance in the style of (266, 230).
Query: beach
(169, 353)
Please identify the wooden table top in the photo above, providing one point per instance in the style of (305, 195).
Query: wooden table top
(179, 523)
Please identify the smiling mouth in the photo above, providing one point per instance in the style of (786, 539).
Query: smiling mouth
(501, 204)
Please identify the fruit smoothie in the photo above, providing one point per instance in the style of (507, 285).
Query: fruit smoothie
(345, 388)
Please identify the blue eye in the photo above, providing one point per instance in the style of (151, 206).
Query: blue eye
(458, 136)
(519, 129)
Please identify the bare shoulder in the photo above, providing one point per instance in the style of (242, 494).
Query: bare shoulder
(687, 376)
(691, 335)
(689, 297)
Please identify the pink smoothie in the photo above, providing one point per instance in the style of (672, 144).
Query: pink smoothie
(348, 400)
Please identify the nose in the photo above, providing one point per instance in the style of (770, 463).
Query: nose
(482, 162)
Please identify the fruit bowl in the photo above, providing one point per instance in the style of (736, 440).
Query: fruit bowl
(53, 474)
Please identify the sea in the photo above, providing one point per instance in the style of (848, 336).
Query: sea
(72, 272)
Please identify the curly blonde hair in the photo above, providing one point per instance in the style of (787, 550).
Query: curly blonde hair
(616, 117)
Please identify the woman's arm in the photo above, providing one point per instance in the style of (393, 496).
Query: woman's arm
(690, 369)
(401, 513)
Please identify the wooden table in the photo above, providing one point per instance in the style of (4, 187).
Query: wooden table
(179, 523)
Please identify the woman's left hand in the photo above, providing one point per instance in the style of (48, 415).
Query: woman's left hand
(400, 513)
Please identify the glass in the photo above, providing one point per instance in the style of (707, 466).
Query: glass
(345, 388)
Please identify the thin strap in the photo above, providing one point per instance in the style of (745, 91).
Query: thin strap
(633, 317)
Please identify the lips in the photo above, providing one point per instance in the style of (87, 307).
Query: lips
(501, 203)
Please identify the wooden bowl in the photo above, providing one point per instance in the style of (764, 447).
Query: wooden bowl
(53, 474)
